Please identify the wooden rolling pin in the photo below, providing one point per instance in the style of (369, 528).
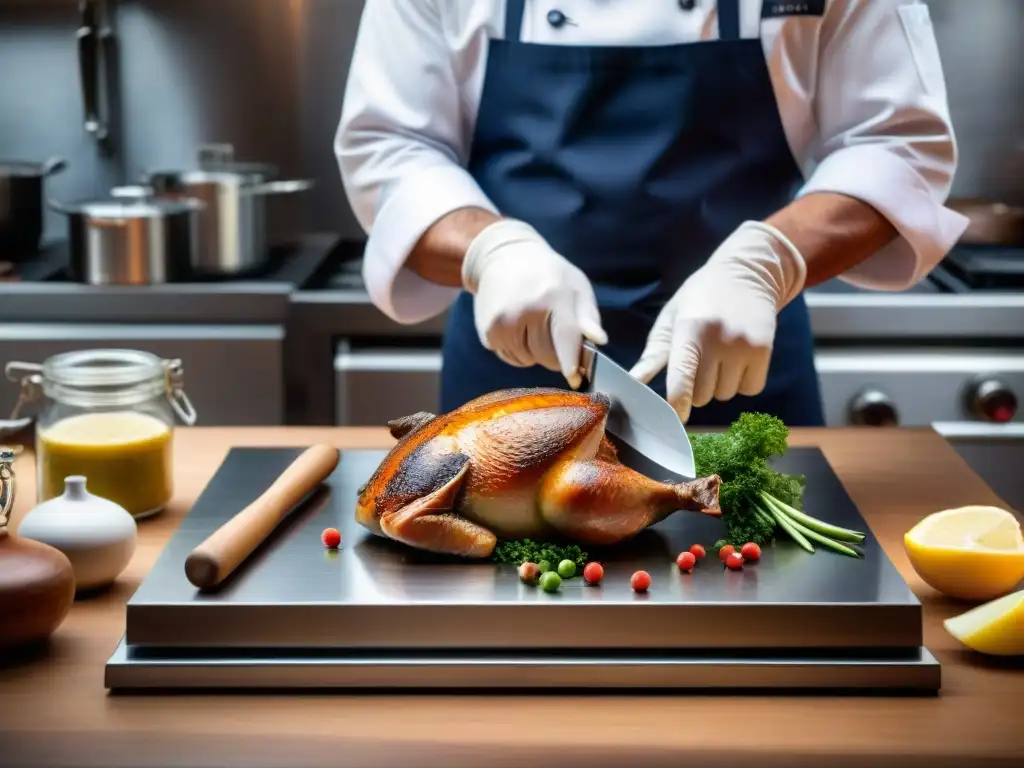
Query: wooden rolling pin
(225, 549)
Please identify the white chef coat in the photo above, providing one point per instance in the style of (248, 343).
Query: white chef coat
(860, 90)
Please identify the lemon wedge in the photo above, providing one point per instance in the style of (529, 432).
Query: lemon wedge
(970, 553)
(995, 628)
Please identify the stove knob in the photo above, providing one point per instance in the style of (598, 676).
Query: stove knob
(991, 400)
(872, 408)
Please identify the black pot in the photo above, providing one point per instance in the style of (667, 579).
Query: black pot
(21, 206)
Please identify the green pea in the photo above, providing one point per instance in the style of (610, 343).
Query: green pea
(567, 569)
(544, 566)
(550, 581)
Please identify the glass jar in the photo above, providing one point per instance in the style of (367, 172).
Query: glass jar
(108, 415)
(7, 487)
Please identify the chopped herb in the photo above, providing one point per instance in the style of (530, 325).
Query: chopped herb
(529, 551)
(757, 501)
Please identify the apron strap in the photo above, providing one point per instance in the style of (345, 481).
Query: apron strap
(728, 19)
(514, 10)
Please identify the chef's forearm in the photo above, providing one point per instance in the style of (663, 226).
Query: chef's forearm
(833, 232)
(437, 256)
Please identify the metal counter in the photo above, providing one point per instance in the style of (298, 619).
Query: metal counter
(916, 317)
(834, 315)
(259, 300)
(376, 613)
(840, 316)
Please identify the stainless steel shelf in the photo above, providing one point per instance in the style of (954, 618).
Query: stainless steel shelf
(874, 317)
(266, 299)
(858, 316)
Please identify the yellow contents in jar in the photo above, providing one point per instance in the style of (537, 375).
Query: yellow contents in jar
(125, 457)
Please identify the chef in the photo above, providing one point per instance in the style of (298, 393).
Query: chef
(662, 177)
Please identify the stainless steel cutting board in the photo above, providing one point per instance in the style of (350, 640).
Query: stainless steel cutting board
(375, 593)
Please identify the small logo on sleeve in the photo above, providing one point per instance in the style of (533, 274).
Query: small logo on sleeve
(776, 9)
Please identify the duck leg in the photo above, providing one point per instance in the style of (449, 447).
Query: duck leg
(602, 502)
(399, 428)
(431, 523)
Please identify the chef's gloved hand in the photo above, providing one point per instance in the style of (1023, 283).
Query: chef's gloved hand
(716, 333)
(532, 305)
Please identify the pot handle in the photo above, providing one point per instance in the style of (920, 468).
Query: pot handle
(67, 210)
(54, 165)
(278, 187)
(88, 67)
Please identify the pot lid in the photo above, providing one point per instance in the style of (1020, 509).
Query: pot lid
(221, 157)
(28, 169)
(222, 175)
(259, 171)
(143, 208)
(20, 168)
(171, 177)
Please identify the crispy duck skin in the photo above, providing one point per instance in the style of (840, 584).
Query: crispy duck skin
(514, 464)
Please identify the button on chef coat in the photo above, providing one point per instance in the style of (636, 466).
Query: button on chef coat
(860, 91)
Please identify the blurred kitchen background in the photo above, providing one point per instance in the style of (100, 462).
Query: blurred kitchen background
(119, 89)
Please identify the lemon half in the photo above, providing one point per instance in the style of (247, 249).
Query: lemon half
(970, 553)
(995, 628)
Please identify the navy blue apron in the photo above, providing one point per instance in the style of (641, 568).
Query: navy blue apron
(634, 163)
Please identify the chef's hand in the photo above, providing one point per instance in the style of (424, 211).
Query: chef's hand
(716, 333)
(532, 305)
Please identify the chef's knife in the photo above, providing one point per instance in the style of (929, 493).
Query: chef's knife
(646, 430)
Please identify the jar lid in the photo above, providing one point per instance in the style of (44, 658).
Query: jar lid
(102, 368)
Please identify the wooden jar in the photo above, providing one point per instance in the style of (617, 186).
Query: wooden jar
(37, 584)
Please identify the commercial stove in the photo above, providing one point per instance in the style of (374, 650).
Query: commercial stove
(948, 351)
(377, 614)
(37, 287)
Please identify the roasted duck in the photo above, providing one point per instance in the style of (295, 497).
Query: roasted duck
(514, 464)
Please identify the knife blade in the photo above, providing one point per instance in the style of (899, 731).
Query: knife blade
(645, 429)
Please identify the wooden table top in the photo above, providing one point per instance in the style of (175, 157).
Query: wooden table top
(55, 711)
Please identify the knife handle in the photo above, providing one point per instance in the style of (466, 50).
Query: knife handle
(225, 549)
(588, 352)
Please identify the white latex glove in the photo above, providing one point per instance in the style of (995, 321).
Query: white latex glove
(532, 305)
(716, 333)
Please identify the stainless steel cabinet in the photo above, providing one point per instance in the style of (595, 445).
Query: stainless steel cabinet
(996, 452)
(373, 385)
(233, 373)
(907, 387)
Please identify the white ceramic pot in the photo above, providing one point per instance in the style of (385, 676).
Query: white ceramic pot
(97, 535)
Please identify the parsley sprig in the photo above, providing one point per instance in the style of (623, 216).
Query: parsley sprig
(517, 552)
